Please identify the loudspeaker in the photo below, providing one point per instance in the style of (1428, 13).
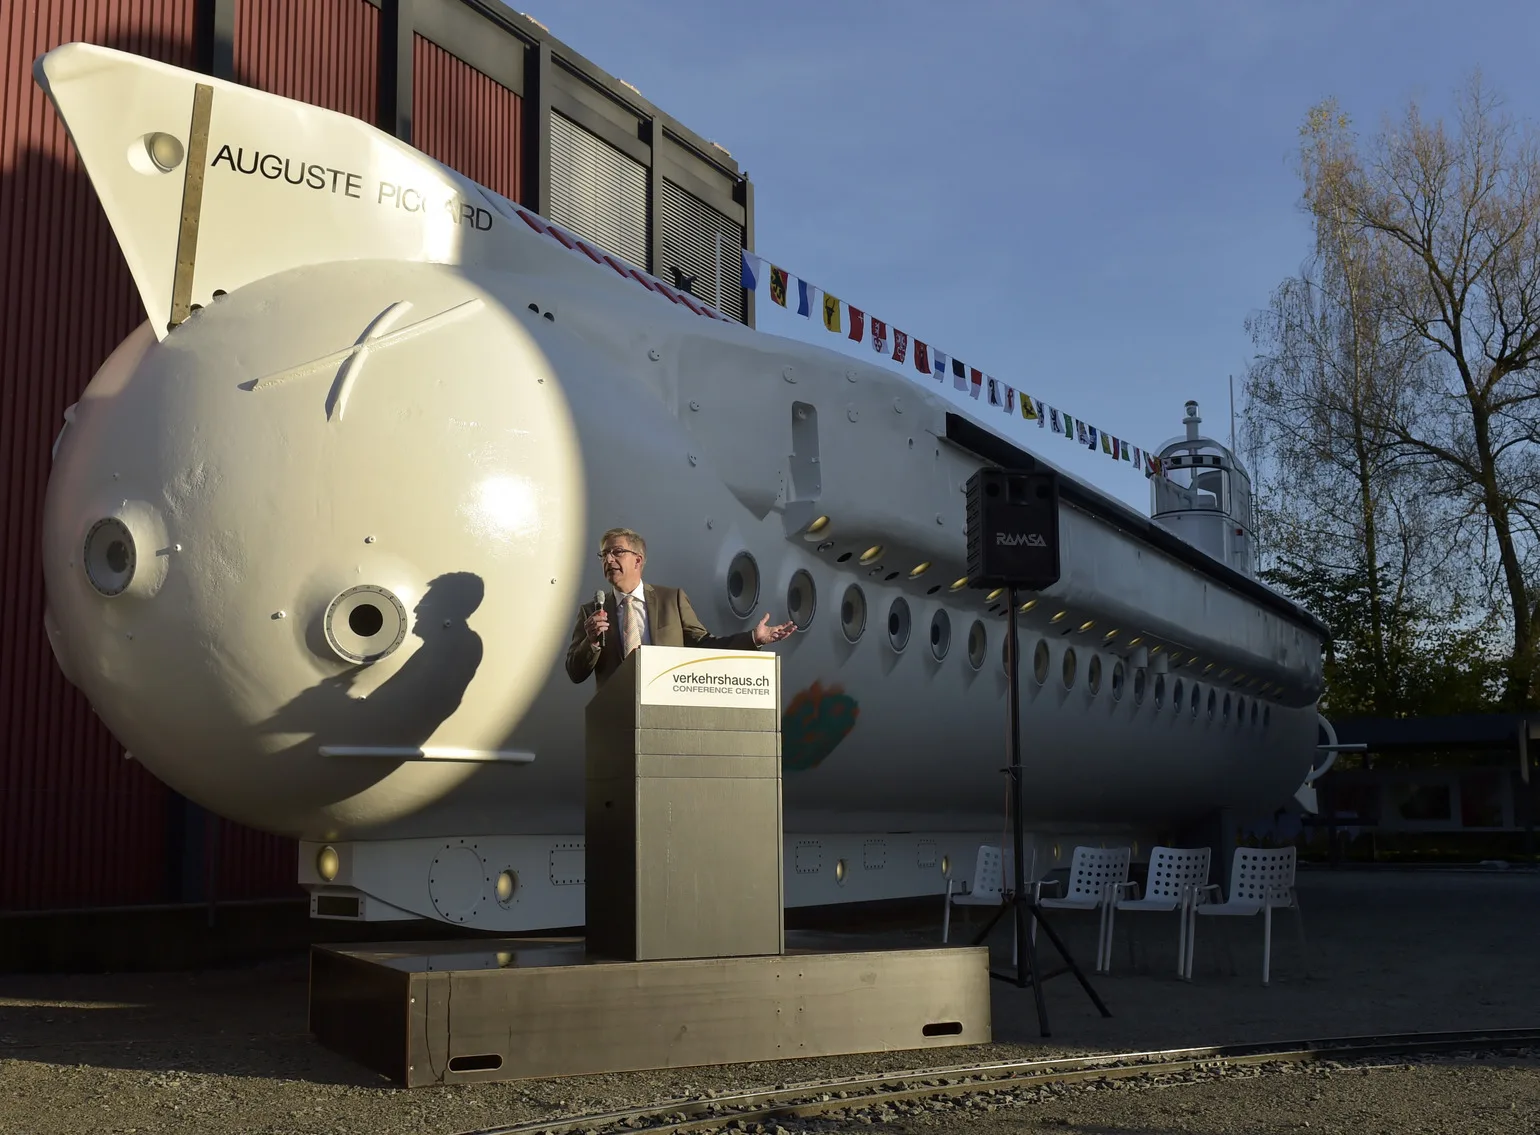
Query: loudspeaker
(1013, 529)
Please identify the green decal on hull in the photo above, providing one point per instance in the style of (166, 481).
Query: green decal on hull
(814, 723)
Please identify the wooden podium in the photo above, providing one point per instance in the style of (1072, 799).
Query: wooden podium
(683, 815)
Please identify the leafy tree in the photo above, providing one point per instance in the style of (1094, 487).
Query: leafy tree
(1419, 660)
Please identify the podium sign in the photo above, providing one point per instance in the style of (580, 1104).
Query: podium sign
(734, 679)
(683, 807)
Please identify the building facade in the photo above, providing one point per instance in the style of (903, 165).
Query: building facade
(473, 84)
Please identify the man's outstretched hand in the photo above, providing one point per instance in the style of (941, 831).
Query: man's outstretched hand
(764, 634)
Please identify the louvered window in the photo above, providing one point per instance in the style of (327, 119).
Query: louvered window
(690, 228)
(598, 192)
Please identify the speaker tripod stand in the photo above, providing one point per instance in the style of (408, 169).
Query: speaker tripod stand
(1022, 906)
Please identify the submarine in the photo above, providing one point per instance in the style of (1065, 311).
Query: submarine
(317, 532)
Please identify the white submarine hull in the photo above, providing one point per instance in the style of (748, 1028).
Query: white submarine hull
(368, 381)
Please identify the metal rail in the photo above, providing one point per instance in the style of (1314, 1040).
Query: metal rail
(696, 1114)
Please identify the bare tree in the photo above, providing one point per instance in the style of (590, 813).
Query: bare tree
(1450, 227)
(1334, 367)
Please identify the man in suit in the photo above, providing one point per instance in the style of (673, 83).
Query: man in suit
(644, 614)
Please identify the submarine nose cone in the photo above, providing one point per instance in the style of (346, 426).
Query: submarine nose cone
(338, 511)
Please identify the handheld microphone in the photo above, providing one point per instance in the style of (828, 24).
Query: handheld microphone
(599, 606)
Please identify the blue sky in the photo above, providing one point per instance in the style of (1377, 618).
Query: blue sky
(1086, 200)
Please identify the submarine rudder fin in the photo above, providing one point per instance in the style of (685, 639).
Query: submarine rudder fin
(209, 184)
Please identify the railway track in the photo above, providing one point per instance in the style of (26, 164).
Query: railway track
(860, 1093)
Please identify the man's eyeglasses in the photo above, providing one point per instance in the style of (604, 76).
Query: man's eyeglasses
(616, 553)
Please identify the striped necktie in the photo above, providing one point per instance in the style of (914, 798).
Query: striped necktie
(633, 627)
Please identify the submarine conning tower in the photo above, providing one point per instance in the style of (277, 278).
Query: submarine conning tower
(1205, 496)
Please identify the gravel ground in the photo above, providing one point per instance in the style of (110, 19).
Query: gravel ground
(1463, 1098)
(227, 1051)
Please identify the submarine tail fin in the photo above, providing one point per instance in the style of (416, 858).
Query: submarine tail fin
(209, 184)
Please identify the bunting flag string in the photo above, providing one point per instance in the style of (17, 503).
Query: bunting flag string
(929, 360)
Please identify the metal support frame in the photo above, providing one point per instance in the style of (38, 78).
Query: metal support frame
(393, 86)
(535, 172)
(1022, 905)
(214, 38)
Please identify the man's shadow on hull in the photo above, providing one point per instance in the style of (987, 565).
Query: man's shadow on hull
(402, 713)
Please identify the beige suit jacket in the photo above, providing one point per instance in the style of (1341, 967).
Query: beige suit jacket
(670, 619)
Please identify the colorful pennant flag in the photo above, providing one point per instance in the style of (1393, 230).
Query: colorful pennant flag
(930, 361)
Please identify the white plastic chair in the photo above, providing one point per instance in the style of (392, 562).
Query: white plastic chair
(1261, 880)
(991, 880)
(1097, 875)
(1176, 875)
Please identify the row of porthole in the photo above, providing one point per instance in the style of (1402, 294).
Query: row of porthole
(817, 532)
(1069, 667)
(802, 605)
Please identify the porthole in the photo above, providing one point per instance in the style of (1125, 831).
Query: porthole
(1213, 699)
(940, 635)
(1069, 667)
(1253, 713)
(898, 624)
(978, 645)
(1226, 715)
(364, 623)
(742, 584)
(1139, 682)
(1093, 674)
(1117, 680)
(1040, 661)
(853, 612)
(842, 557)
(1267, 716)
(1160, 690)
(801, 599)
(932, 589)
(110, 556)
(1176, 696)
(1197, 699)
(1240, 711)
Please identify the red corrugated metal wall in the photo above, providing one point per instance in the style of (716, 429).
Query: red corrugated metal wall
(79, 825)
(318, 51)
(469, 122)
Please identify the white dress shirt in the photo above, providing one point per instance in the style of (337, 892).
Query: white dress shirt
(638, 610)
